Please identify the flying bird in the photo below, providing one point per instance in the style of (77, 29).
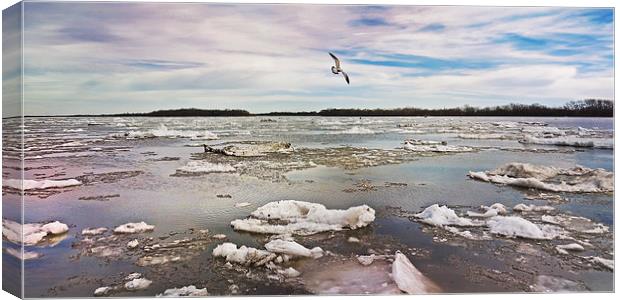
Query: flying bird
(337, 69)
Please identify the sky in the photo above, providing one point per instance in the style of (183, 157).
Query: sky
(137, 57)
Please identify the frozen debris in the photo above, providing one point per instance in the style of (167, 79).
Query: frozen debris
(94, 231)
(463, 233)
(575, 223)
(290, 273)
(219, 236)
(29, 184)
(102, 291)
(574, 180)
(242, 204)
(133, 244)
(563, 249)
(138, 284)
(554, 198)
(186, 291)
(33, 233)
(134, 228)
(243, 255)
(26, 255)
(490, 211)
(303, 218)
(409, 279)
(574, 141)
(535, 208)
(442, 215)
(551, 284)
(519, 227)
(293, 248)
(607, 263)
(252, 149)
(435, 148)
(353, 239)
(204, 167)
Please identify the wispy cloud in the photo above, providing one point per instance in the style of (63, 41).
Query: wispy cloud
(116, 57)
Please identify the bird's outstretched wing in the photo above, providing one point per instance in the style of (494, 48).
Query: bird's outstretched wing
(336, 60)
(346, 77)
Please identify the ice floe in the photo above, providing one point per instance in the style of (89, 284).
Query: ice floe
(607, 263)
(138, 284)
(435, 148)
(252, 149)
(409, 279)
(442, 215)
(243, 255)
(518, 227)
(574, 141)
(186, 291)
(134, 228)
(33, 233)
(303, 218)
(576, 180)
(102, 291)
(536, 208)
(293, 248)
(26, 255)
(94, 231)
(489, 211)
(563, 249)
(575, 223)
(164, 131)
(29, 184)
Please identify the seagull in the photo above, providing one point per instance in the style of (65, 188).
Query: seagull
(336, 69)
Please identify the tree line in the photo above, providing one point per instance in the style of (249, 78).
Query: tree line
(579, 108)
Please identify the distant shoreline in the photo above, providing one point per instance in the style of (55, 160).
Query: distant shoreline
(593, 108)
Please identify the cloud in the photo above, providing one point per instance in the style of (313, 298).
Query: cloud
(118, 57)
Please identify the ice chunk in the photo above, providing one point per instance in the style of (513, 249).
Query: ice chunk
(574, 180)
(242, 204)
(205, 167)
(607, 263)
(572, 247)
(442, 215)
(490, 211)
(304, 218)
(524, 207)
(292, 248)
(133, 244)
(290, 272)
(94, 231)
(33, 233)
(409, 279)
(134, 228)
(25, 256)
(102, 291)
(186, 291)
(138, 284)
(29, 184)
(243, 255)
(132, 276)
(519, 227)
